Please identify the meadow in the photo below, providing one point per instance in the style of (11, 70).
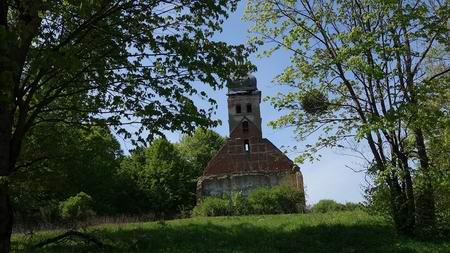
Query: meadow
(330, 232)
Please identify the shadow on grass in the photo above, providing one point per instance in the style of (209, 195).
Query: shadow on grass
(244, 237)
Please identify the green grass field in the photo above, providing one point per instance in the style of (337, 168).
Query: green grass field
(332, 232)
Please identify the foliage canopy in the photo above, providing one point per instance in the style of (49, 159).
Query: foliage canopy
(382, 65)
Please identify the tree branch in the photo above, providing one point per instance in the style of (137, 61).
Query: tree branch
(69, 235)
(4, 13)
(438, 75)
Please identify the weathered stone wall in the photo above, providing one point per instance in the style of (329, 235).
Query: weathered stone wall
(244, 182)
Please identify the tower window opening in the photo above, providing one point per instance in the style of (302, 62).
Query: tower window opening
(245, 126)
(249, 107)
(246, 146)
(238, 108)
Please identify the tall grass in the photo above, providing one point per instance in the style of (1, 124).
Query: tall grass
(330, 232)
(34, 227)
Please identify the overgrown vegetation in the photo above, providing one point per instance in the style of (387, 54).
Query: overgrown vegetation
(274, 200)
(308, 233)
(328, 205)
(157, 181)
(76, 208)
(214, 206)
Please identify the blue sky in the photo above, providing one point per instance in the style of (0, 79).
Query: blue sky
(327, 179)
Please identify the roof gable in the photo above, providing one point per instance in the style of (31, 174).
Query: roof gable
(263, 156)
(252, 131)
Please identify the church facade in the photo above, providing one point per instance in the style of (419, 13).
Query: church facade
(247, 160)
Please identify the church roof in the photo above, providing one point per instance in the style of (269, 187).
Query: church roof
(263, 155)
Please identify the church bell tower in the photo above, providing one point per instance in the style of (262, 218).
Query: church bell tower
(247, 160)
(244, 100)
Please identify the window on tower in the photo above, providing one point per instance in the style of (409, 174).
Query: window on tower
(238, 108)
(245, 126)
(249, 107)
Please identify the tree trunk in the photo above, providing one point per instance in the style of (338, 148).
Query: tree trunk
(13, 52)
(401, 213)
(6, 128)
(409, 190)
(425, 209)
(6, 215)
(6, 219)
(425, 206)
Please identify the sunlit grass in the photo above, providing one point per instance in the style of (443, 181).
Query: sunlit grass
(332, 232)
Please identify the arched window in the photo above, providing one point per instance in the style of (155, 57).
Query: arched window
(249, 108)
(246, 146)
(245, 126)
(238, 108)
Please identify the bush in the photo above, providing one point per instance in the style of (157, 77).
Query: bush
(349, 206)
(265, 200)
(275, 200)
(78, 207)
(443, 207)
(239, 204)
(377, 200)
(328, 205)
(213, 206)
(291, 200)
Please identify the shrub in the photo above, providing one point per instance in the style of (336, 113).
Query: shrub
(327, 205)
(291, 200)
(213, 206)
(443, 207)
(349, 206)
(377, 200)
(265, 200)
(78, 207)
(239, 204)
(275, 200)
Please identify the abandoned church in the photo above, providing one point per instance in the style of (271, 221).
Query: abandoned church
(247, 160)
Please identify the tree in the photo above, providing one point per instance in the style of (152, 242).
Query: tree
(67, 160)
(438, 138)
(163, 179)
(127, 62)
(199, 147)
(367, 60)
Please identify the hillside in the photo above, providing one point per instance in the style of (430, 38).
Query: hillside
(332, 232)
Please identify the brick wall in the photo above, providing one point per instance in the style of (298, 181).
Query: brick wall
(262, 154)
